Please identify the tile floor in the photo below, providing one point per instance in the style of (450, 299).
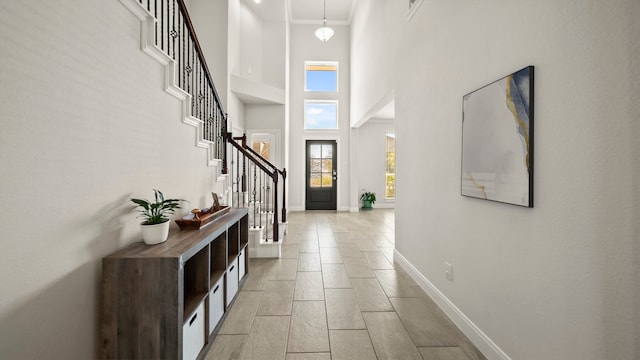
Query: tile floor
(336, 294)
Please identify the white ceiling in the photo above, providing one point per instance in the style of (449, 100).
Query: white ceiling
(303, 11)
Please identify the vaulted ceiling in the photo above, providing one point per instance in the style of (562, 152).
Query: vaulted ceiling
(338, 12)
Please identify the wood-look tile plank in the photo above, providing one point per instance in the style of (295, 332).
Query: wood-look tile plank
(309, 331)
(327, 242)
(290, 251)
(309, 262)
(309, 286)
(277, 299)
(366, 245)
(377, 260)
(343, 311)
(261, 270)
(349, 250)
(309, 246)
(342, 237)
(242, 313)
(358, 268)
(267, 339)
(335, 276)
(226, 347)
(286, 269)
(394, 284)
(442, 353)
(389, 337)
(309, 356)
(423, 322)
(330, 255)
(351, 345)
(370, 295)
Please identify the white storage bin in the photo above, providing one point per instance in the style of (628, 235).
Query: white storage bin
(216, 304)
(232, 280)
(241, 263)
(193, 334)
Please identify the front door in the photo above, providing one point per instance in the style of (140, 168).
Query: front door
(321, 175)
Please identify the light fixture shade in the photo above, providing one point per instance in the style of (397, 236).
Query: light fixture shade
(324, 33)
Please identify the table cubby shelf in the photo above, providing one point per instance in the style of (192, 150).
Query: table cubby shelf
(174, 289)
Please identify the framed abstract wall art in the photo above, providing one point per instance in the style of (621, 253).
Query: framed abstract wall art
(497, 140)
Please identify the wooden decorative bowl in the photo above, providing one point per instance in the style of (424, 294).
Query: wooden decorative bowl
(205, 217)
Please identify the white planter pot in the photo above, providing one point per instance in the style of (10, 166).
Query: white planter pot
(155, 234)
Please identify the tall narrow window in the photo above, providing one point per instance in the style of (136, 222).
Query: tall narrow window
(321, 76)
(390, 188)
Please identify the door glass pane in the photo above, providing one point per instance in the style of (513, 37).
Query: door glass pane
(327, 180)
(315, 180)
(314, 151)
(326, 165)
(315, 165)
(327, 151)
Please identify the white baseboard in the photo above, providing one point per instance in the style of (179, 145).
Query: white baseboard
(473, 332)
(384, 206)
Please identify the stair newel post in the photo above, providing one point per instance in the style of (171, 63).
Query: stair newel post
(275, 205)
(284, 195)
(225, 136)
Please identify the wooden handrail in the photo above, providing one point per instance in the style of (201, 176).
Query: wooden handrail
(196, 42)
(250, 157)
(282, 172)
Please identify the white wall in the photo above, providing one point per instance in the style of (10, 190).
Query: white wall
(306, 47)
(250, 44)
(270, 118)
(559, 281)
(371, 162)
(235, 107)
(374, 44)
(210, 19)
(86, 125)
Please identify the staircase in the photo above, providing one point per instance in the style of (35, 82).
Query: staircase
(245, 179)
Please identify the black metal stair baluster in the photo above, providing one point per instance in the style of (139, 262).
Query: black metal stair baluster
(255, 205)
(174, 35)
(181, 53)
(238, 175)
(244, 177)
(155, 16)
(165, 27)
(260, 190)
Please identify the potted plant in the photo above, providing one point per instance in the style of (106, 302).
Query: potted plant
(155, 227)
(368, 198)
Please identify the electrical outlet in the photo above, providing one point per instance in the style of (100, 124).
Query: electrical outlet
(448, 271)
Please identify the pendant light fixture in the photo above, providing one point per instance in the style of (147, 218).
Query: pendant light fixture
(324, 33)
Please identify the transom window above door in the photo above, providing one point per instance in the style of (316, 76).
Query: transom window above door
(320, 76)
(320, 114)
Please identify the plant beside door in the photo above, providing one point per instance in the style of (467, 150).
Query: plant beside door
(155, 227)
(368, 198)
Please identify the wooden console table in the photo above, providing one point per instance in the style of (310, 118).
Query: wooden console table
(165, 301)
